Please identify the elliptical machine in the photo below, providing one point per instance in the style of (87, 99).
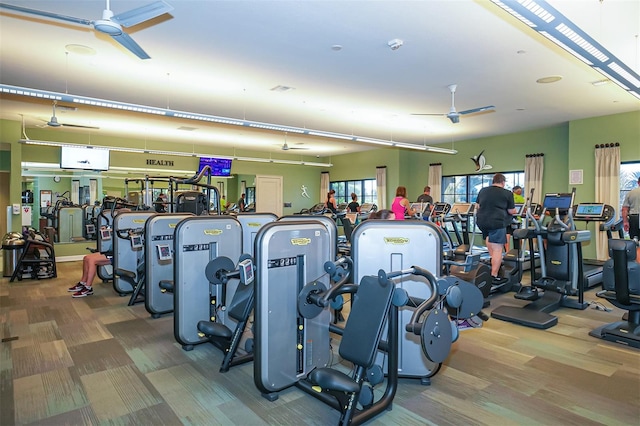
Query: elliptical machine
(561, 283)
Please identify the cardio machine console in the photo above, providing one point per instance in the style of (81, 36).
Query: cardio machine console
(561, 202)
(591, 211)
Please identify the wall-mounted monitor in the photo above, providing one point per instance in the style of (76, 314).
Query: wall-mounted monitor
(84, 158)
(219, 166)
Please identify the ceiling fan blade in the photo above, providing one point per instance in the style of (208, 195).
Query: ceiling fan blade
(46, 14)
(142, 13)
(480, 109)
(79, 126)
(126, 40)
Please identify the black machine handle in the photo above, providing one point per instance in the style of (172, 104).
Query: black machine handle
(413, 326)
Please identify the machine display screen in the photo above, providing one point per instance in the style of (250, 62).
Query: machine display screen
(519, 209)
(440, 208)
(136, 241)
(589, 210)
(558, 201)
(246, 271)
(462, 208)
(105, 234)
(164, 252)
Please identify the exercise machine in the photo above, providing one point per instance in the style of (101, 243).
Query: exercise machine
(599, 213)
(159, 262)
(251, 224)
(561, 283)
(394, 246)
(621, 287)
(197, 241)
(219, 272)
(128, 250)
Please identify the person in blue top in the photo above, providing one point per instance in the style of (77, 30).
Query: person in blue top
(495, 207)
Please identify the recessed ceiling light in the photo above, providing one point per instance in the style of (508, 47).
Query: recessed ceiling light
(187, 128)
(601, 82)
(336, 47)
(80, 49)
(550, 79)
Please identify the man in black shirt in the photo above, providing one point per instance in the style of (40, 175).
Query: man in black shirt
(495, 207)
(426, 197)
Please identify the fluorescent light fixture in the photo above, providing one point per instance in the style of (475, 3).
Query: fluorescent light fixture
(75, 99)
(178, 153)
(552, 24)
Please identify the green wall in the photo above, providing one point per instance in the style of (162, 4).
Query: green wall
(566, 147)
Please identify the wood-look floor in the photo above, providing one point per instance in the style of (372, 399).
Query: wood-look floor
(97, 361)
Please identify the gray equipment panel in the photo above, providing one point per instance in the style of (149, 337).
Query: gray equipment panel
(395, 246)
(289, 255)
(327, 221)
(158, 232)
(70, 224)
(197, 241)
(124, 256)
(104, 245)
(251, 224)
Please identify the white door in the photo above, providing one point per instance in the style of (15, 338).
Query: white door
(269, 194)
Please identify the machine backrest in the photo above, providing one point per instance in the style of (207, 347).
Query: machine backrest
(621, 272)
(366, 321)
(347, 227)
(239, 308)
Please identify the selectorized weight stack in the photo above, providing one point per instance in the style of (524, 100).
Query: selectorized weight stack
(159, 261)
(288, 346)
(395, 246)
(198, 241)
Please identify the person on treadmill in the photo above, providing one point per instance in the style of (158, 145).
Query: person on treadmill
(425, 197)
(242, 204)
(495, 207)
(631, 212)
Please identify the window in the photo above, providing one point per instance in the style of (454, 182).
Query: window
(366, 190)
(465, 188)
(629, 174)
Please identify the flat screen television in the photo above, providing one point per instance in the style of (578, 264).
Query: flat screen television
(219, 166)
(84, 158)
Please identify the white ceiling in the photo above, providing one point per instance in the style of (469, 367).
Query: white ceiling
(224, 57)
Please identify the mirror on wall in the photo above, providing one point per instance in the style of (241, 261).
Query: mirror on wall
(64, 202)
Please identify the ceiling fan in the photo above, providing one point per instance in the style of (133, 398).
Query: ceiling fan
(109, 24)
(454, 115)
(53, 121)
(286, 147)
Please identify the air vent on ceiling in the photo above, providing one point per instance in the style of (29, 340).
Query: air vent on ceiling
(187, 128)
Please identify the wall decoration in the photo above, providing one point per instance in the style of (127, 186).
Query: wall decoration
(575, 177)
(481, 162)
(305, 194)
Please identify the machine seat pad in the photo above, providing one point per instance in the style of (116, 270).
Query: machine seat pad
(124, 273)
(166, 285)
(335, 380)
(214, 329)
